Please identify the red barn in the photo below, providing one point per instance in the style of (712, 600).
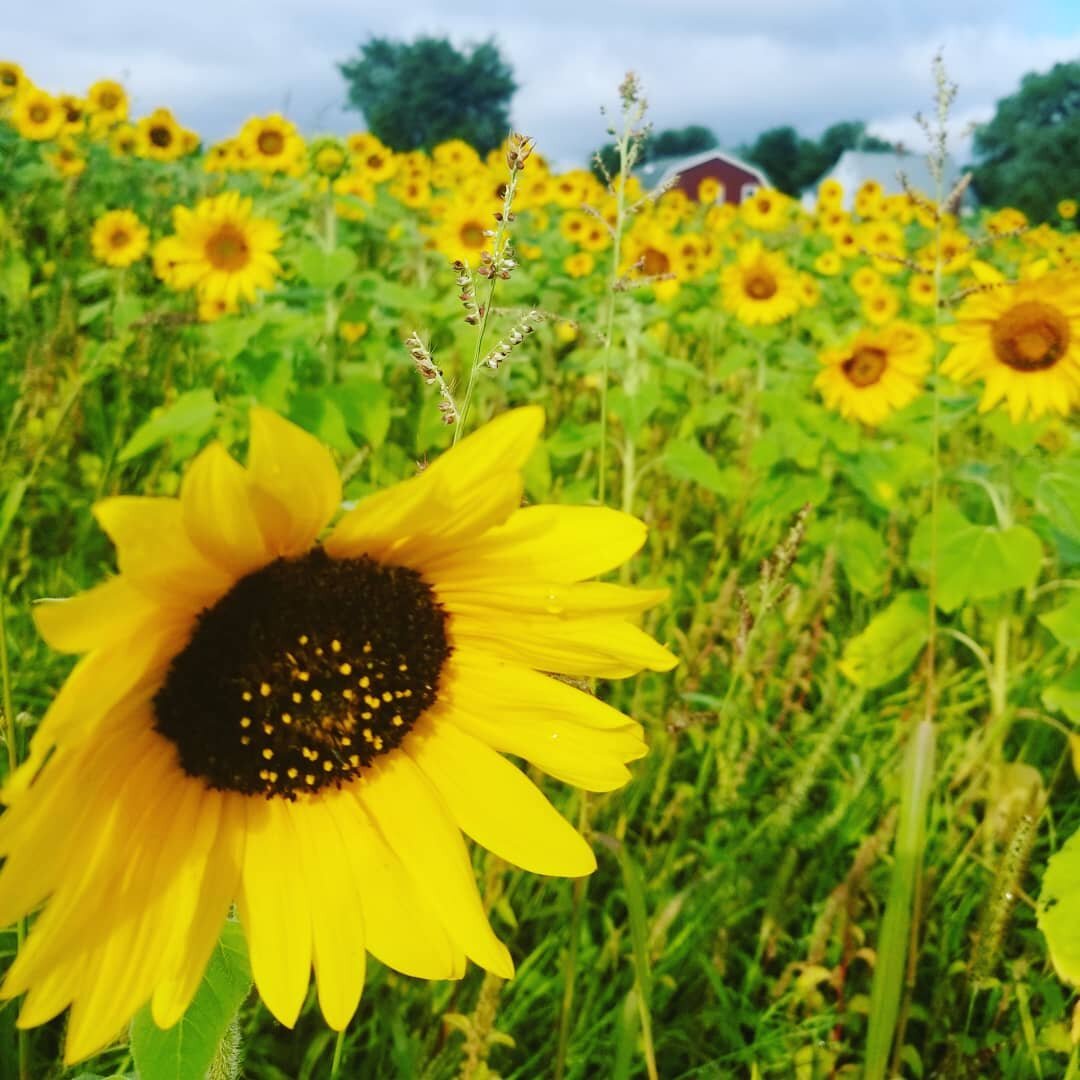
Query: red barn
(739, 179)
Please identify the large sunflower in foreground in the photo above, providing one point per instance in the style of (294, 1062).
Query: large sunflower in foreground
(1021, 340)
(875, 373)
(303, 726)
(221, 250)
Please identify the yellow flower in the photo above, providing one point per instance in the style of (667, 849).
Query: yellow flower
(1006, 220)
(352, 332)
(107, 101)
(1022, 341)
(356, 190)
(160, 137)
(809, 290)
(1066, 208)
(920, 289)
(270, 143)
(119, 238)
(212, 310)
(830, 195)
(74, 111)
(221, 250)
(12, 79)
(566, 332)
(66, 158)
(767, 209)
(876, 373)
(828, 263)
(760, 288)
(461, 232)
(865, 280)
(328, 157)
(580, 264)
(37, 115)
(306, 728)
(710, 190)
(880, 305)
(123, 140)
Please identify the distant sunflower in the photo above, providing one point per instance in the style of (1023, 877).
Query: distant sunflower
(107, 101)
(306, 728)
(74, 110)
(760, 288)
(37, 115)
(829, 263)
(222, 251)
(119, 238)
(1022, 341)
(357, 191)
(880, 305)
(921, 289)
(580, 264)
(12, 79)
(767, 209)
(876, 373)
(462, 231)
(271, 143)
(66, 159)
(328, 157)
(160, 137)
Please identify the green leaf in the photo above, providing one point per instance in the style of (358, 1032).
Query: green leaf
(191, 414)
(186, 1050)
(890, 644)
(1064, 695)
(861, 552)
(975, 562)
(1058, 913)
(684, 459)
(126, 311)
(1062, 622)
(325, 269)
(315, 412)
(15, 280)
(10, 506)
(1058, 496)
(228, 337)
(365, 404)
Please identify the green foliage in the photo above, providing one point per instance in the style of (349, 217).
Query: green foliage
(417, 94)
(1029, 153)
(671, 142)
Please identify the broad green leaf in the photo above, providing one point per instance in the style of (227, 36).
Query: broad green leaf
(365, 404)
(861, 553)
(1064, 622)
(684, 459)
(890, 644)
(1058, 912)
(186, 1050)
(1064, 695)
(15, 280)
(125, 312)
(1058, 496)
(975, 562)
(228, 337)
(191, 414)
(325, 269)
(315, 412)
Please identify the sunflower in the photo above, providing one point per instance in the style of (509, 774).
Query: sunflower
(710, 190)
(221, 250)
(1021, 340)
(74, 111)
(875, 373)
(1006, 220)
(580, 264)
(37, 115)
(760, 288)
(12, 79)
(865, 280)
(66, 159)
(271, 143)
(830, 195)
(160, 137)
(462, 231)
(921, 290)
(357, 190)
(829, 263)
(328, 157)
(107, 101)
(119, 238)
(303, 727)
(767, 209)
(1066, 208)
(880, 305)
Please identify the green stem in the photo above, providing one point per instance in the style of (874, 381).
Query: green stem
(570, 969)
(331, 311)
(339, 1047)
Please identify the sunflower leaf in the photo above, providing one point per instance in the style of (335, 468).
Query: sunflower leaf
(191, 414)
(889, 644)
(1064, 622)
(684, 459)
(1064, 695)
(325, 269)
(1058, 495)
(187, 1049)
(1058, 912)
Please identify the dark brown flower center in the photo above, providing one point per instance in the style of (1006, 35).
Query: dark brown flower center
(1031, 336)
(270, 143)
(303, 674)
(761, 285)
(161, 136)
(39, 114)
(865, 365)
(108, 99)
(120, 239)
(227, 249)
(472, 234)
(8, 77)
(654, 262)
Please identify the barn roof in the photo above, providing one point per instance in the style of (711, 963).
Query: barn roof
(660, 170)
(856, 166)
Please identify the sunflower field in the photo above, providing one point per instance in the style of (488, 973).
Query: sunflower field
(461, 619)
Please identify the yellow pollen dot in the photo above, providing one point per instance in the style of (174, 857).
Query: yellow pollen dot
(272, 776)
(245, 721)
(309, 779)
(365, 716)
(397, 721)
(316, 695)
(348, 694)
(303, 676)
(264, 774)
(367, 734)
(246, 695)
(318, 652)
(354, 760)
(346, 741)
(268, 753)
(286, 718)
(245, 740)
(264, 689)
(378, 742)
(328, 766)
(367, 646)
(303, 639)
(387, 696)
(403, 667)
(335, 645)
(365, 682)
(297, 697)
(345, 669)
(293, 773)
(268, 728)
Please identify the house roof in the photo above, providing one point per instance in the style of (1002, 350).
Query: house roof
(856, 166)
(660, 170)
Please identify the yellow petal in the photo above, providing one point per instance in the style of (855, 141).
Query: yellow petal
(274, 909)
(337, 926)
(403, 929)
(550, 543)
(299, 474)
(497, 805)
(564, 600)
(218, 501)
(417, 825)
(94, 618)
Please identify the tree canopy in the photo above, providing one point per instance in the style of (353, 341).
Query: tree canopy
(671, 142)
(1029, 153)
(416, 94)
(793, 163)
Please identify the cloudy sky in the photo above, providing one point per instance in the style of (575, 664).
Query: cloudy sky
(738, 67)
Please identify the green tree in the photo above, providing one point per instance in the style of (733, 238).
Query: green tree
(1029, 153)
(671, 142)
(416, 94)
